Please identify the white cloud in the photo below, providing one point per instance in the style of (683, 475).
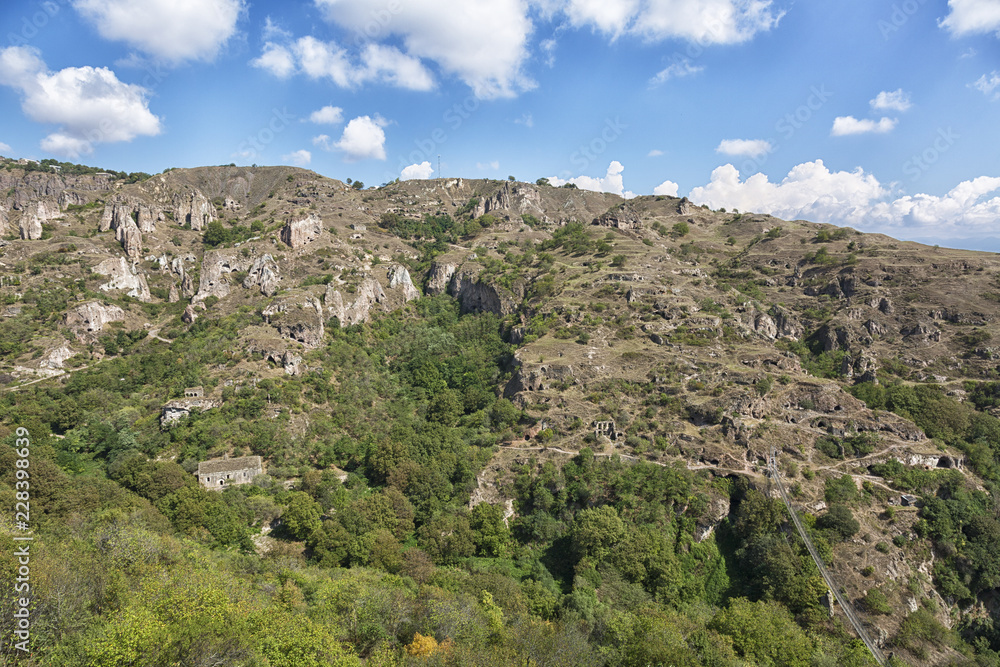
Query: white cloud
(390, 65)
(701, 21)
(656, 152)
(972, 17)
(363, 139)
(846, 125)
(276, 59)
(527, 120)
(5, 147)
(483, 166)
(744, 147)
(328, 115)
(420, 171)
(89, 104)
(327, 60)
(274, 31)
(170, 30)
(548, 47)
(299, 158)
(324, 141)
(449, 32)
(677, 70)
(611, 182)
(896, 100)
(668, 188)
(988, 84)
(810, 191)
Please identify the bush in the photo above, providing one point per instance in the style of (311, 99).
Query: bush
(840, 521)
(875, 602)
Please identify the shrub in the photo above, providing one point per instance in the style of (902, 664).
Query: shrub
(875, 602)
(840, 521)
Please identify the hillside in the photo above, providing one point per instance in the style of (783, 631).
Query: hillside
(496, 418)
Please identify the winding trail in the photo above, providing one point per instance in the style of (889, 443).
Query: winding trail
(844, 603)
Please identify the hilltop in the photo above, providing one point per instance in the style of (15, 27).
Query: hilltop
(441, 344)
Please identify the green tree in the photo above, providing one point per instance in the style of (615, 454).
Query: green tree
(489, 531)
(765, 633)
(301, 516)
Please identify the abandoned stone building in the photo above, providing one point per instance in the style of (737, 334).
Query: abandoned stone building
(607, 429)
(220, 473)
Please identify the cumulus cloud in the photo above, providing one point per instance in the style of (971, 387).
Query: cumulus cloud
(988, 85)
(668, 188)
(656, 152)
(89, 104)
(811, 191)
(276, 59)
(420, 171)
(611, 182)
(896, 100)
(846, 125)
(5, 148)
(172, 31)
(299, 158)
(744, 147)
(443, 31)
(363, 139)
(967, 17)
(328, 60)
(677, 70)
(701, 21)
(328, 115)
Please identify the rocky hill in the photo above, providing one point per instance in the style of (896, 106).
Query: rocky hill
(642, 330)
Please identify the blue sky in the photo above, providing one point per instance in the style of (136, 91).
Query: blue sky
(877, 114)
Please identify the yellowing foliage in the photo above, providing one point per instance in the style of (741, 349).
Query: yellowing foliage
(422, 646)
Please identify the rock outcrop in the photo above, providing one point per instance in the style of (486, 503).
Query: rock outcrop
(122, 276)
(35, 214)
(399, 277)
(476, 296)
(299, 233)
(263, 273)
(619, 217)
(91, 317)
(193, 209)
(298, 319)
(214, 267)
(131, 239)
(515, 197)
(439, 277)
(367, 295)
